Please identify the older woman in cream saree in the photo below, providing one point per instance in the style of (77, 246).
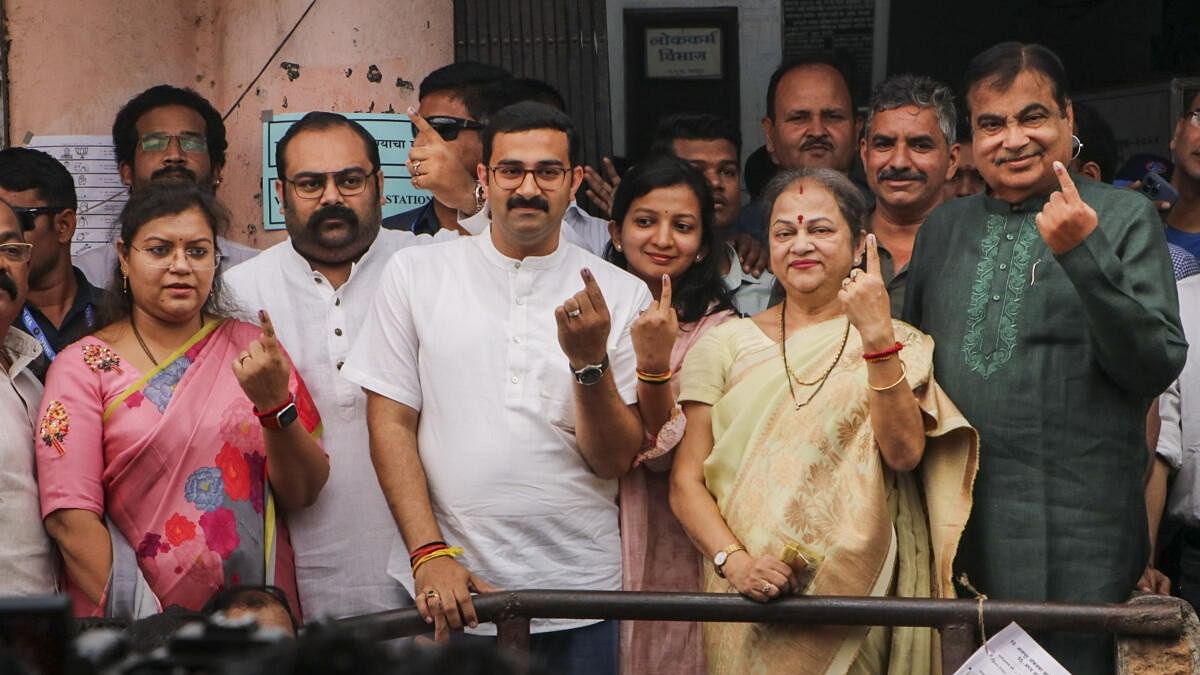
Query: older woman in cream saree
(817, 427)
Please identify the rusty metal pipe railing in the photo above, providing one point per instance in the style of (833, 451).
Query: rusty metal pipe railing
(957, 619)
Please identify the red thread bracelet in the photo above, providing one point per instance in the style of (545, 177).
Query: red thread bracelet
(883, 354)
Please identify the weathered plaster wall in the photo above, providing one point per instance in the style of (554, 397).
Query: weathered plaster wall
(72, 63)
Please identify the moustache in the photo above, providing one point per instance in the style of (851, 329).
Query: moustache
(8, 285)
(519, 202)
(1013, 158)
(174, 171)
(817, 142)
(902, 174)
(332, 212)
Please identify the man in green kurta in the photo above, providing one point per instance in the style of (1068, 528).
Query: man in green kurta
(1052, 302)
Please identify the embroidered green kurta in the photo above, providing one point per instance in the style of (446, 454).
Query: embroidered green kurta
(1054, 359)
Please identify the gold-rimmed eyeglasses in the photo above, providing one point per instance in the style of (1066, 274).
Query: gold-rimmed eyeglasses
(17, 252)
(162, 257)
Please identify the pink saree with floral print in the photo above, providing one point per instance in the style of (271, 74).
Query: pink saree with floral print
(174, 458)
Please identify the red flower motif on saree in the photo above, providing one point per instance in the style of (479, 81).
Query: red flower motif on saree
(56, 424)
(101, 359)
(179, 529)
(134, 400)
(235, 472)
(220, 529)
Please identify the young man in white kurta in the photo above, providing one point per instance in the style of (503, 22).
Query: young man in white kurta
(480, 434)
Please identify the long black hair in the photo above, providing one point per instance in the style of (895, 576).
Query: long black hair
(699, 291)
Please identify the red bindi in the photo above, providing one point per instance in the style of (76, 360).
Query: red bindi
(799, 218)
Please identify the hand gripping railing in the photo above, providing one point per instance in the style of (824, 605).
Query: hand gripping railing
(958, 620)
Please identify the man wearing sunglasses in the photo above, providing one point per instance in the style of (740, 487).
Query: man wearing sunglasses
(61, 304)
(166, 133)
(455, 101)
(26, 558)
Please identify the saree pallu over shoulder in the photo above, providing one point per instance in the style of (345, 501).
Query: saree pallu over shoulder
(813, 475)
(177, 461)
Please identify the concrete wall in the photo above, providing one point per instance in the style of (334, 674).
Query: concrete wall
(72, 63)
(759, 36)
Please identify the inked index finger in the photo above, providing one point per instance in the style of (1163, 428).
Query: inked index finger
(873, 267)
(664, 297)
(1064, 181)
(424, 128)
(268, 329)
(593, 289)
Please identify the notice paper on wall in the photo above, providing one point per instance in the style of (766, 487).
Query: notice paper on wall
(92, 161)
(1011, 652)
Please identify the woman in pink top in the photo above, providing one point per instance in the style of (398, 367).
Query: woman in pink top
(663, 232)
(171, 440)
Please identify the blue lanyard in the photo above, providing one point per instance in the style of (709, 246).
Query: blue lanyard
(89, 316)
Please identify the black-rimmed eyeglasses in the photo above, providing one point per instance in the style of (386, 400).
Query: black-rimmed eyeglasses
(348, 182)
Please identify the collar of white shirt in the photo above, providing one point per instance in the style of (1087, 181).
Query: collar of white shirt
(21, 349)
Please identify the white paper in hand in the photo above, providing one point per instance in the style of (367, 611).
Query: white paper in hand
(1012, 652)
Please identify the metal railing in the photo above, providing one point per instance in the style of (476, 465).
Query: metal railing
(958, 620)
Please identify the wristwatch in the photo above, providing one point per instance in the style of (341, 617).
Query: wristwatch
(281, 417)
(591, 374)
(722, 557)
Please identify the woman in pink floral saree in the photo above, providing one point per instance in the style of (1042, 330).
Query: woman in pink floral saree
(185, 442)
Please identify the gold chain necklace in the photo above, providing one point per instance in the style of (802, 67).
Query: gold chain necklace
(141, 342)
(787, 371)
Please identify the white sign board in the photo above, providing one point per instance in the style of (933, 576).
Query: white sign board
(683, 53)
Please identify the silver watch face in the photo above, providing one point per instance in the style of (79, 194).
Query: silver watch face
(720, 558)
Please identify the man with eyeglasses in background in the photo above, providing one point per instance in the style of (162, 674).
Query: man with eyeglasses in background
(317, 287)
(61, 304)
(27, 558)
(501, 408)
(166, 133)
(1183, 221)
(455, 101)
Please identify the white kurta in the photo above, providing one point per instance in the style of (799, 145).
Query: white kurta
(342, 542)
(468, 337)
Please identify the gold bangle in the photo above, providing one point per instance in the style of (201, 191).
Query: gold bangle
(903, 376)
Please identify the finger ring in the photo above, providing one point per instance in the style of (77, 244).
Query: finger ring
(854, 272)
(574, 313)
(845, 282)
(417, 167)
(242, 358)
(767, 588)
(431, 593)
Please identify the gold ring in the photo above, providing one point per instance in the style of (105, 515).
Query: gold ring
(574, 313)
(417, 167)
(767, 588)
(243, 358)
(432, 593)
